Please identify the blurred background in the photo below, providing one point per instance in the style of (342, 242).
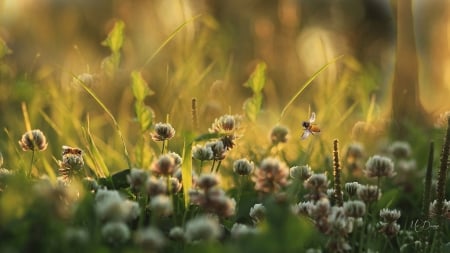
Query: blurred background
(46, 43)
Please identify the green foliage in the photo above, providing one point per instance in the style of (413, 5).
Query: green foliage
(256, 82)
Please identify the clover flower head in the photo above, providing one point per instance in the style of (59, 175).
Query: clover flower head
(115, 232)
(302, 172)
(150, 239)
(243, 167)
(379, 166)
(33, 140)
(163, 131)
(279, 134)
(202, 228)
(202, 153)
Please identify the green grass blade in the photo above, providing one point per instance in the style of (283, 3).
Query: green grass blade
(171, 36)
(100, 166)
(307, 83)
(116, 124)
(186, 171)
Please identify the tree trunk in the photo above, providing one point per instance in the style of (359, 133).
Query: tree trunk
(406, 106)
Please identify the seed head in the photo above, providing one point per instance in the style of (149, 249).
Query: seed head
(243, 167)
(163, 131)
(379, 166)
(279, 134)
(33, 140)
(301, 173)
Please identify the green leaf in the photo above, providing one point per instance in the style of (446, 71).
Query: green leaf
(208, 136)
(144, 116)
(110, 64)
(115, 37)
(186, 171)
(139, 86)
(258, 78)
(252, 107)
(119, 179)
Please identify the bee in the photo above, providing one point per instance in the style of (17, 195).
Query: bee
(310, 128)
(69, 150)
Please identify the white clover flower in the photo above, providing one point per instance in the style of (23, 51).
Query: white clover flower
(150, 239)
(115, 232)
(202, 228)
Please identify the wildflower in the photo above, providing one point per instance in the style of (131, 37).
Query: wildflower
(203, 153)
(165, 165)
(76, 236)
(33, 140)
(109, 206)
(445, 209)
(131, 210)
(279, 135)
(213, 200)
(351, 188)
(218, 149)
(355, 151)
(176, 159)
(389, 226)
(137, 179)
(400, 150)
(155, 187)
(379, 166)
(354, 208)
(302, 172)
(202, 228)
(258, 212)
(240, 230)
(225, 124)
(317, 184)
(305, 207)
(115, 232)
(389, 215)
(163, 131)
(207, 181)
(321, 209)
(243, 167)
(150, 239)
(271, 175)
(175, 185)
(368, 193)
(177, 233)
(406, 166)
(161, 205)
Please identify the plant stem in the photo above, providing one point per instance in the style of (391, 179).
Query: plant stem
(31, 163)
(218, 166)
(212, 166)
(163, 146)
(428, 178)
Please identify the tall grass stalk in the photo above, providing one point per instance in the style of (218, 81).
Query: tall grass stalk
(337, 174)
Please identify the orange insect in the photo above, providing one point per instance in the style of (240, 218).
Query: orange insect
(310, 128)
(70, 150)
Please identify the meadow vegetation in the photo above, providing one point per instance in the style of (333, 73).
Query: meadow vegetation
(165, 153)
